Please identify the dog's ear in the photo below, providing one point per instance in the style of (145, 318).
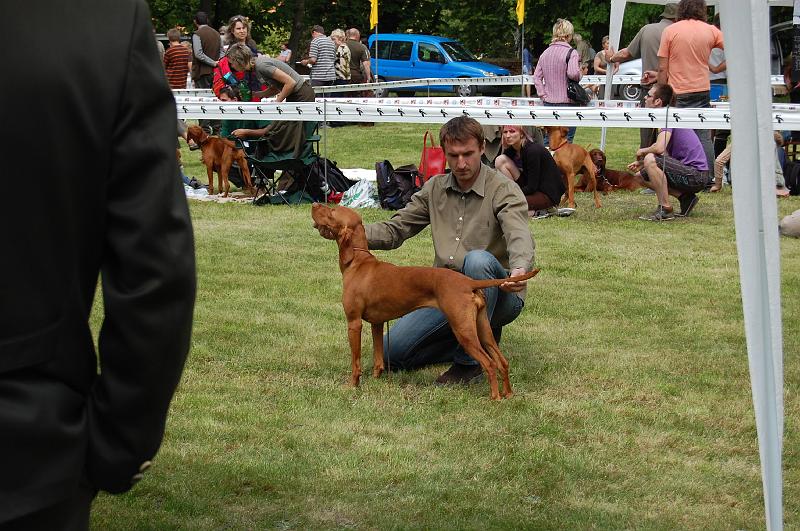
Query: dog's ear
(345, 245)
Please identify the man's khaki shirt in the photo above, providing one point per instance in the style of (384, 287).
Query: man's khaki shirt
(491, 216)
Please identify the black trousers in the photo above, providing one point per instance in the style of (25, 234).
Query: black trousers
(71, 514)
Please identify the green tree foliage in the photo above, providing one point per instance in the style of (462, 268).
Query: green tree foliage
(488, 28)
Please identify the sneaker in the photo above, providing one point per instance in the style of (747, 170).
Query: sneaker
(565, 212)
(538, 214)
(688, 200)
(460, 374)
(193, 146)
(647, 191)
(194, 183)
(660, 214)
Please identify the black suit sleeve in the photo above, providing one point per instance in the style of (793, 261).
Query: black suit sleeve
(147, 271)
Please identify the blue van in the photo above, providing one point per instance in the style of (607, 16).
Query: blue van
(403, 56)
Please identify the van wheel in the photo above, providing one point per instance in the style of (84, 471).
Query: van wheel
(466, 91)
(631, 92)
(380, 92)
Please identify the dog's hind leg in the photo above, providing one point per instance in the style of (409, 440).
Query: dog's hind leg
(377, 350)
(245, 169)
(486, 337)
(463, 324)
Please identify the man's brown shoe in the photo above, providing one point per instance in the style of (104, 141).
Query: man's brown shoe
(460, 374)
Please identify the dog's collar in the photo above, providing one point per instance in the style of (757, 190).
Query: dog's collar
(559, 147)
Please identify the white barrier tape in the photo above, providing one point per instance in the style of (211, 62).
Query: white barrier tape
(455, 81)
(445, 101)
(338, 111)
(479, 102)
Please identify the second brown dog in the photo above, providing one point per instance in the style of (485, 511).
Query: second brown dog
(572, 159)
(377, 292)
(218, 156)
(609, 180)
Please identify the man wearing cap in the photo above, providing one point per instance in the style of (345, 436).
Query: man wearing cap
(645, 45)
(322, 58)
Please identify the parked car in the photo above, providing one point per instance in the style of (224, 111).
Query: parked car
(408, 56)
(633, 91)
(162, 38)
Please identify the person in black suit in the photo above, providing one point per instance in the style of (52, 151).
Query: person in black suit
(88, 137)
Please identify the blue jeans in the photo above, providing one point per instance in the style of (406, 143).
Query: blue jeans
(570, 130)
(423, 337)
(701, 100)
(184, 178)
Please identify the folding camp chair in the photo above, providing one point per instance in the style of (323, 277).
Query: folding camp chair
(265, 164)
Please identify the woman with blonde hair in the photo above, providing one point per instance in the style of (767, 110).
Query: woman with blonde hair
(342, 64)
(553, 69)
(531, 167)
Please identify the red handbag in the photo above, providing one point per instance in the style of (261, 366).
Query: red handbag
(432, 161)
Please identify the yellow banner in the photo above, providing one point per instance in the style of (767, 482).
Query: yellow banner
(373, 13)
(520, 11)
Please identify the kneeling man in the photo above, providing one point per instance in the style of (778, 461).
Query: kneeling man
(675, 165)
(479, 224)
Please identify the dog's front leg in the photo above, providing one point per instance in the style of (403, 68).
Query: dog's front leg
(377, 350)
(571, 189)
(210, 170)
(354, 337)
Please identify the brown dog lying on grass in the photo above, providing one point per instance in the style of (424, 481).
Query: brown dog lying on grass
(218, 156)
(377, 292)
(609, 180)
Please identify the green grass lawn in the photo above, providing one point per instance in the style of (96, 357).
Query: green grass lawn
(632, 409)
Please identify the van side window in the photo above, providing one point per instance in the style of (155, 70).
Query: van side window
(383, 49)
(429, 53)
(401, 51)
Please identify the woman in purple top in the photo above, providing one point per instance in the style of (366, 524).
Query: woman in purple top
(552, 70)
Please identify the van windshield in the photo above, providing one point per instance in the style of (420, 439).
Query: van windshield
(457, 52)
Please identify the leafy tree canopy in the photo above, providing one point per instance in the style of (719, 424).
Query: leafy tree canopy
(487, 28)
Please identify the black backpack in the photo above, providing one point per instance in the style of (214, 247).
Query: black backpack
(791, 174)
(396, 186)
(311, 179)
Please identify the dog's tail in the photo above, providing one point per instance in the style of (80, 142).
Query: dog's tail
(493, 283)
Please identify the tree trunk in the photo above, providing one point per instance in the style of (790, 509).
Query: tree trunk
(297, 31)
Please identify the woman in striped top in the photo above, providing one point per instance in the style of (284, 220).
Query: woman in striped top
(552, 70)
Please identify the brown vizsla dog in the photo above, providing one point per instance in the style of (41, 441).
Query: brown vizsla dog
(572, 159)
(609, 180)
(218, 156)
(378, 291)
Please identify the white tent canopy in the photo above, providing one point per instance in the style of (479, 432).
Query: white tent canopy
(755, 215)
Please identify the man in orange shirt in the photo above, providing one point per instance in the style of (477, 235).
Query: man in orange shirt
(683, 61)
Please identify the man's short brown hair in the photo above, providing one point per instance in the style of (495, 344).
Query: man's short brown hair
(461, 129)
(664, 93)
(693, 10)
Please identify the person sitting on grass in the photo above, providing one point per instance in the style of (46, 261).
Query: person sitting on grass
(675, 165)
(532, 168)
